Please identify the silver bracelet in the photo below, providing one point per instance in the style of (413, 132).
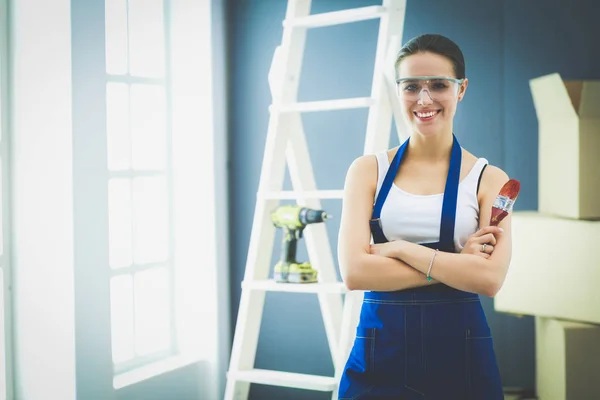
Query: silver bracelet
(431, 265)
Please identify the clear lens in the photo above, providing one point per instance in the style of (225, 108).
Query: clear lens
(438, 88)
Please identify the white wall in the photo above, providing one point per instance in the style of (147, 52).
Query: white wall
(6, 381)
(59, 196)
(42, 199)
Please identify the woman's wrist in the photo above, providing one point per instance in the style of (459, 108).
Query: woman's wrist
(414, 255)
(399, 249)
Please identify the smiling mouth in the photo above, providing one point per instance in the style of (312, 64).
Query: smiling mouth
(426, 116)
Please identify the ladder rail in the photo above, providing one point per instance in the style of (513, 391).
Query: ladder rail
(390, 82)
(380, 115)
(245, 342)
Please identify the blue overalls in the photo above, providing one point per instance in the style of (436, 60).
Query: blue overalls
(430, 342)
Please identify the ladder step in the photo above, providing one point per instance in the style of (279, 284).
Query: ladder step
(285, 379)
(271, 285)
(336, 17)
(312, 194)
(324, 105)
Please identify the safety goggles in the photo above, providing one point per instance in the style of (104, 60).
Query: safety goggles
(438, 88)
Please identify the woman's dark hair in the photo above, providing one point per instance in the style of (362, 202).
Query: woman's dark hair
(437, 44)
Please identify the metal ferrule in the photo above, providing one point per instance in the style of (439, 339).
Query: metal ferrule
(504, 203)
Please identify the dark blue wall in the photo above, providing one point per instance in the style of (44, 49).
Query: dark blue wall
(505, 44)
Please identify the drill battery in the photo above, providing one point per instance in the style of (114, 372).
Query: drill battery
(295, 273)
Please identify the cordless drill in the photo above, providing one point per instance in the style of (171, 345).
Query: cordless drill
(293, 219)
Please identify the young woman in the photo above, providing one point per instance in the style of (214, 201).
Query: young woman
(426, 204)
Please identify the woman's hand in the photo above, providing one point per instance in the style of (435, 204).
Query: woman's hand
(482, 242)
(387, 249)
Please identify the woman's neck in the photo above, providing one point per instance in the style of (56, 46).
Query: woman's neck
(431, 148)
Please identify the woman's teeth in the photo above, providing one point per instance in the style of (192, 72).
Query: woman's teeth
(426, 115)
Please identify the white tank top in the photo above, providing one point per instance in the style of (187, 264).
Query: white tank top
(417, 218)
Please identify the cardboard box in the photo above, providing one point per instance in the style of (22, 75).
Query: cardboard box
(554, 270)
(567, 360)
(568, 114)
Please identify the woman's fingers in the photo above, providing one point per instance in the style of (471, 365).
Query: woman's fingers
(493, 230)
(487, 238)
(487, 248)
(482, 242)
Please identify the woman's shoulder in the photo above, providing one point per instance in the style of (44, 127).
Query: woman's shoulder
(491, 182)
(362, 170)
(369, 162)
(490, 174)
(365, 168)
(492, 177)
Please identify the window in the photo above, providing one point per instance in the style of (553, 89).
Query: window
(141, 234)
(167, 189)
(5, 278)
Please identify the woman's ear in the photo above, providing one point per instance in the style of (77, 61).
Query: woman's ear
(463, 89)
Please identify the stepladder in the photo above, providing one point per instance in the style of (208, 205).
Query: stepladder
(286, 147)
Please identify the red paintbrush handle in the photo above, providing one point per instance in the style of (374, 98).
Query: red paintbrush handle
(497, 216)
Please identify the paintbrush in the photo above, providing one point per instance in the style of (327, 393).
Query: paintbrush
(505, 201)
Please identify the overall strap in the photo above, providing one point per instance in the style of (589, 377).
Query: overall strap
(375, 222)
(451, 197)
(389, 180)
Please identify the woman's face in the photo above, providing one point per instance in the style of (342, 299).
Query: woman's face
(428, 105)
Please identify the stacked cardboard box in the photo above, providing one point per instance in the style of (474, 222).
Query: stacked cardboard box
(555, 268)
(568, 114)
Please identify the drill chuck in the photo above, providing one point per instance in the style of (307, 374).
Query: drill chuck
(310, 216)
(294, 217)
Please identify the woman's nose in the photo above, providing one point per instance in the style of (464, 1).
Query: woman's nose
(424, 99)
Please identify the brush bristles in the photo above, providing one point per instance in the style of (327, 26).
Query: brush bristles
(511, 189)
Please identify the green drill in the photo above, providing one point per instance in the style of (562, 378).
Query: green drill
(293, 219)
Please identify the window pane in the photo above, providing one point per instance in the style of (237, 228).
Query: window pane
(150, 209)
(120, 223)
(152, 311)
(121, 290)
(148, 126)
(117, 126)
(146, 38)
(116, 36)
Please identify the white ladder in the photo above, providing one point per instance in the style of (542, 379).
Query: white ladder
(286, 143)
